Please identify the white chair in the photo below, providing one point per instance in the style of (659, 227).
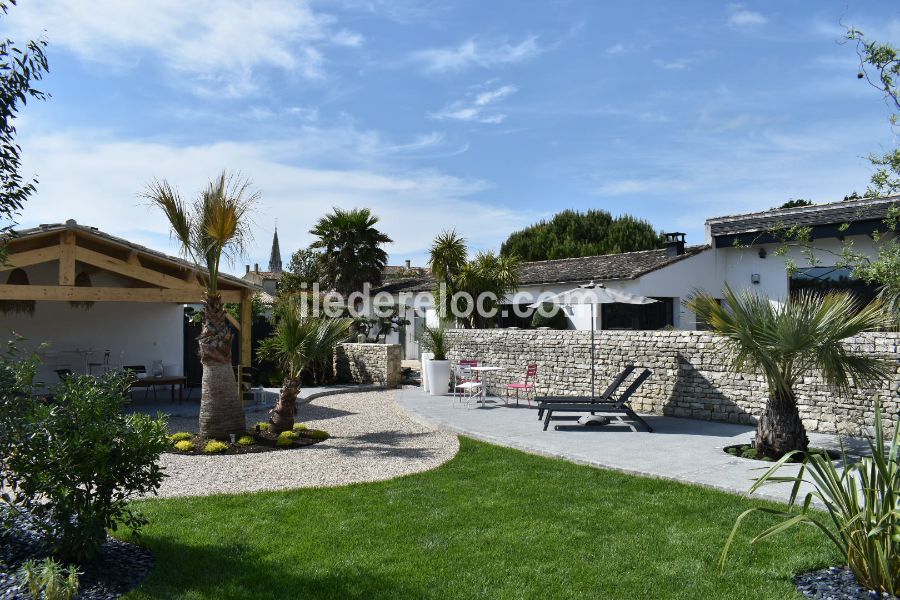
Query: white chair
(466, 382)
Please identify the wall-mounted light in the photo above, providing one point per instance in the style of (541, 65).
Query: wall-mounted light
(762, 252)
(754, 278)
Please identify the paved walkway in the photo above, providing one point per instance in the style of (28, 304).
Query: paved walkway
(684, 450)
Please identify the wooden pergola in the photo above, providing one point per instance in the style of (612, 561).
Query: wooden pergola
(147, 275)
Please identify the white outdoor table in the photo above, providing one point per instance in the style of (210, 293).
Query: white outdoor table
(487, 370)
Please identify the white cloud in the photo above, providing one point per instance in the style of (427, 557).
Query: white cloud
(492, 96)
(218, 43)
(473, 53)
(674, 65)
(96, 180)
(741, 17)
(476, 108)
(619, 48)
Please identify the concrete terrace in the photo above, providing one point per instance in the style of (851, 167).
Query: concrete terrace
(685, 450)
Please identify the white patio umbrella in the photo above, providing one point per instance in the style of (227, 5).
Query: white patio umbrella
(593, 293)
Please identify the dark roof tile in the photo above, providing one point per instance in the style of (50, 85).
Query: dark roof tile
(834, 213)
(628, 265)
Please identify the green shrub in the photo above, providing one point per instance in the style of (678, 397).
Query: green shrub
(861, 500)
(318, 434)
(245, 440)
(291, 435)
(99, 457)
(550, 315)
(214, 447)
(49, 578)
(283, 441)
(263, 426)
(184, 446)
(180, 436)
(300, 427)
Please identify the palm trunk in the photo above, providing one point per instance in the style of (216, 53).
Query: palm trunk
(282, 416)
(780, 428)
(221, 412)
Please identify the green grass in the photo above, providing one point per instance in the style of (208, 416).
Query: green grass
(491, 523)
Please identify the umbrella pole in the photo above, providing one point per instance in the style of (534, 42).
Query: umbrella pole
(592, 351)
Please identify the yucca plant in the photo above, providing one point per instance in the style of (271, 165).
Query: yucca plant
(214, 226)
(861, 502)
(786, 342)
(297, 344)
(435, 341)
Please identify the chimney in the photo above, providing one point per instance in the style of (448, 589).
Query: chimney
(674, 243)
(408, 263)
(256, 267)
(248, 270)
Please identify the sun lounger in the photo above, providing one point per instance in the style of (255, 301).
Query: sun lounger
(618, 406)
(607, 395)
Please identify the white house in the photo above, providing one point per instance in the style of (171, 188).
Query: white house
(745, 251)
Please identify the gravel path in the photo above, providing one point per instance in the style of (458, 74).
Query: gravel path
(372, 439)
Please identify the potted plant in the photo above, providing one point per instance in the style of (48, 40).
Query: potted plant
(438, 368)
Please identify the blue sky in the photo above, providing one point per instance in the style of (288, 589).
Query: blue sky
(483, 116)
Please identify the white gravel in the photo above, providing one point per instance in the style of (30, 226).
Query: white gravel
(372, 439)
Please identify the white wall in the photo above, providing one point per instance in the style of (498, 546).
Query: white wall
(736, 265)
(143, 331)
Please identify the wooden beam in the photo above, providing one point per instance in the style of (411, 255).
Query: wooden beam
(67, 258)
(234, 322)
(31, 257)
(134, 259)
(110, 263)
(109, 294)
(246, 329)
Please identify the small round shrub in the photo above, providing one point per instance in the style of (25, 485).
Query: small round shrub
(184, 446)
(181, 435)
(318, 434)
(245, 440)
(291, 435)
(283, 442)
(300, 427)
(214, 447)
(554, 317)
(263, 426)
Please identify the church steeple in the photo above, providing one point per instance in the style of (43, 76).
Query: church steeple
(275, 257)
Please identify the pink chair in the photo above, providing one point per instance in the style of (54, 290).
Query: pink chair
(527, 385)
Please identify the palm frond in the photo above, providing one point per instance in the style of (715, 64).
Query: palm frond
(167, 198)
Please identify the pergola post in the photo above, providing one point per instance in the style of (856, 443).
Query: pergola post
(246, 331)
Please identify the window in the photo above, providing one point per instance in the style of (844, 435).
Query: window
(637, 316)
(832, 279)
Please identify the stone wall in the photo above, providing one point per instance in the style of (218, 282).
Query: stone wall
(368, 363)
(690, 376)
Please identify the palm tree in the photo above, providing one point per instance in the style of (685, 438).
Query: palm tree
(296, 344)
(216, 224)
(352, 249)
(490, 276)
(788, 341)
(447, 260)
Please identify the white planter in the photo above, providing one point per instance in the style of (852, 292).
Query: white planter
(438, 377)
(425, 358)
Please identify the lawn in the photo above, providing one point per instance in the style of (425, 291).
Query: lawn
(491, 523)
